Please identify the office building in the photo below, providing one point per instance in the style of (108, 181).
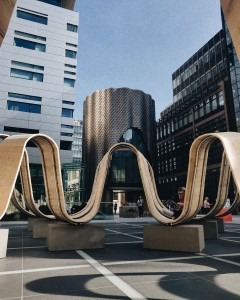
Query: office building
(202, 103)
(38, 73)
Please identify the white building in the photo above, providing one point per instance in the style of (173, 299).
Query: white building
(38, 72)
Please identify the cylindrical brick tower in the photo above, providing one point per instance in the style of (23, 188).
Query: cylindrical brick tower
(107, 114)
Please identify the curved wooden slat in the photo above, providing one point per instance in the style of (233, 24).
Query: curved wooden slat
(14, 158)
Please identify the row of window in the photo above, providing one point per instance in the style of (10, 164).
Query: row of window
(201, 80)
(213, 54)
(173, 154)
(39, 47)
(40, 18)
(35, 76)
(35, 108)
(203, 109)
(25, 97)
(26, 75)
(29, 45)
(64, 145)
(24, 107)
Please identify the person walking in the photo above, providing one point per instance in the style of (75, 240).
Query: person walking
(140, 203)
(115, 208)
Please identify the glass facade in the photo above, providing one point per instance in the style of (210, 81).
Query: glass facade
(202, 104)
(234, 67)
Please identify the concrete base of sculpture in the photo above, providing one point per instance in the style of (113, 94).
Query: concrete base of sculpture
(30, 223)
(220, 224)
(61, 236)
(210, 228)
(40, 227)
(3, 242)
(187, 238)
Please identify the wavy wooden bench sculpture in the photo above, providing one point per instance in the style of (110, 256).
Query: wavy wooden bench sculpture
(14, 160)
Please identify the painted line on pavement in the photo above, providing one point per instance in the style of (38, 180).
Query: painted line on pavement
(228, 254)
(126, 234)
(228, 240)
(219, 259)
(118, 243)
(114, 279)
(152, 260)
(43, 270)
(33, 247)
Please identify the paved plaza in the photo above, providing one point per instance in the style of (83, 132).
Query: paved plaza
(123, 269)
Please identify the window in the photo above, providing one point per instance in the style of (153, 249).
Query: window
(67, 113)
(26, 75)
(22, 130)
(53, 2)
(25, 107)
(71, 45)
(69, 73)
(71, 27)
(32, 17)
(69, 82)
(70, 53)
(66, 126)
(26, 97)
(220, 99)
(70, 66)
(68, 102)
(28, 35)
(65, 145)
(29, 45)
(25, 65)
(66, 134)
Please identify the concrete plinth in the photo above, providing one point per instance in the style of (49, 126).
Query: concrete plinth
(210, 228)
(187, 238)
(40, 228)
(62, 236)
(3, 242)
(220, 224)
(31, 221)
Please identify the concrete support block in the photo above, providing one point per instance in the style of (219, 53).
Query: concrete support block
(220, 224)
(3, 242)
(61, 236)
(31, 221)
(187, 238)
(210, 228)
(40, 228)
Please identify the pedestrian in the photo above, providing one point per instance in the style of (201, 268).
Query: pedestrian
(140, 203)
(206, 205)
(115, 208)
(179, 205)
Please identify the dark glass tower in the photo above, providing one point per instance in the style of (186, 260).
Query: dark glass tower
(202, 103)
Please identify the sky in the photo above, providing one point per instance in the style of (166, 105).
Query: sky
(139, 44)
